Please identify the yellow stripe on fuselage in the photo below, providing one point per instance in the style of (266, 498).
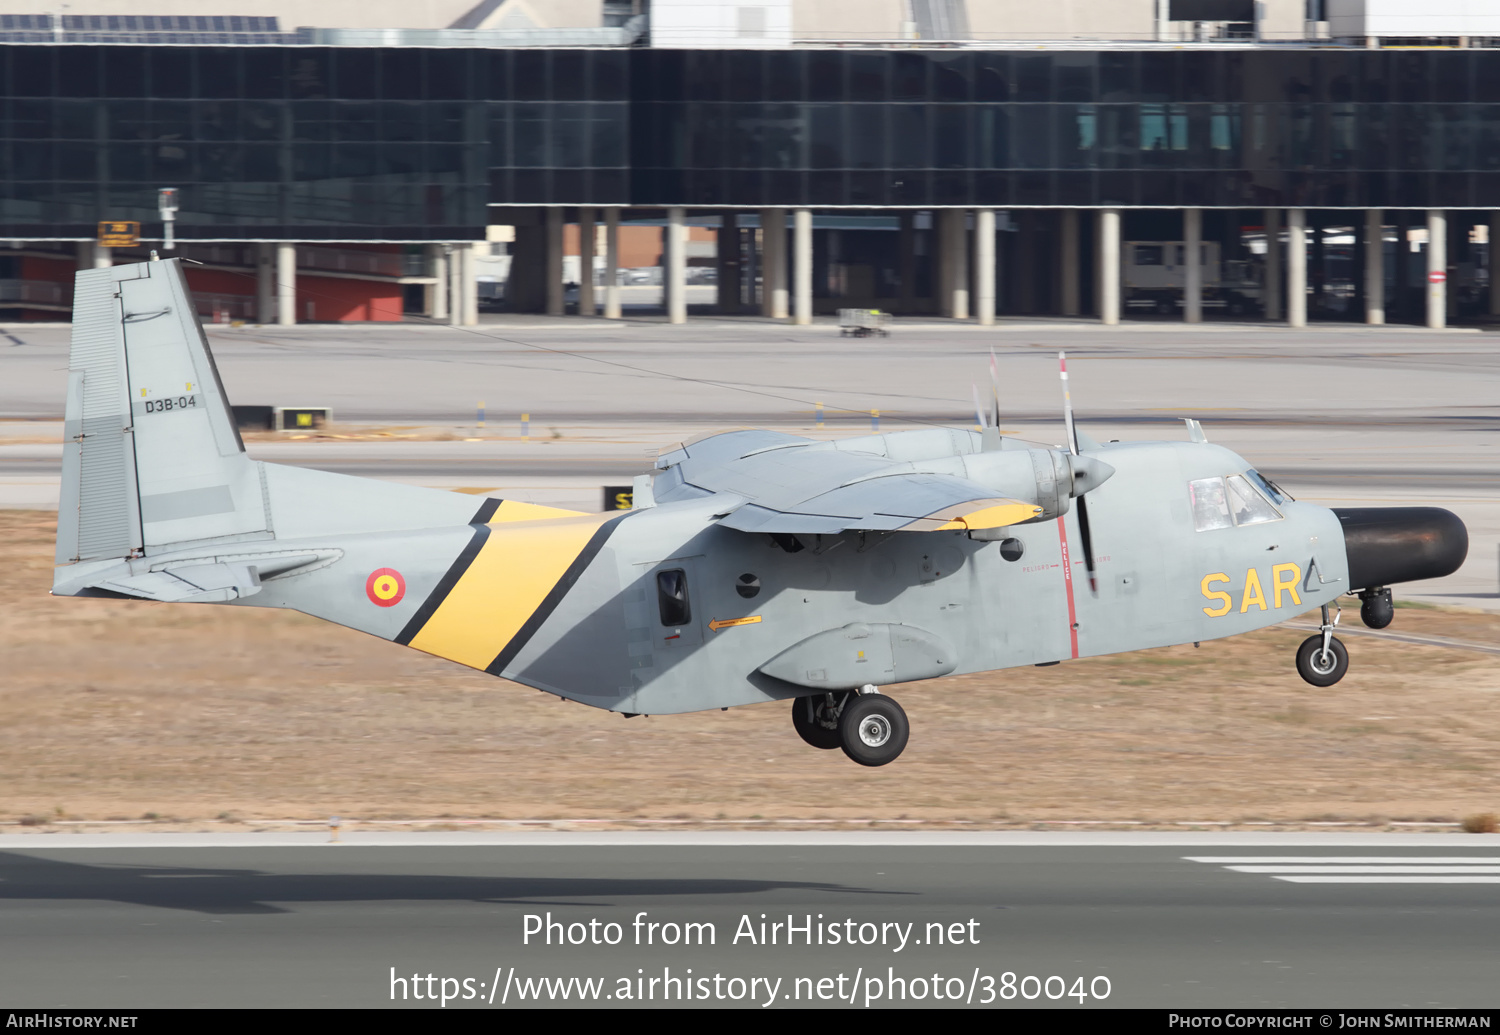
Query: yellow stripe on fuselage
(515, 510)
(516, 568)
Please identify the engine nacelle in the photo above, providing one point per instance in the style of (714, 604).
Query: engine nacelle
(1050, 478)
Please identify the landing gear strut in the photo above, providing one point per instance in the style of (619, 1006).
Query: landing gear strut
(870, 727)
(1322, 659)
(816, 720)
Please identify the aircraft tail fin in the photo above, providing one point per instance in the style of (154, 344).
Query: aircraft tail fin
(151, 455)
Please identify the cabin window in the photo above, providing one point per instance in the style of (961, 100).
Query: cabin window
(672, 597)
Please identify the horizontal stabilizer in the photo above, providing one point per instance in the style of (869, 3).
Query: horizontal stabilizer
(211, 579)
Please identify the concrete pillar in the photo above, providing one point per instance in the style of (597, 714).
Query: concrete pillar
(674, 278)
(1272, 297)
(984, 266)
(612, 263)
(469, 282)
(1296, 267)
(803, 252)
(1437, 263)
(1400, 300)
(1109, 266)
(1494, 268)
(586, 237)
(1374, 267)
(552, 262)
(1071, 275)
(1192, 265)
(286, 284)
(727, 261)
(265, 283)
(953, 264)
(437, 294)
(455, 285)
(94, 256)
(773, 299)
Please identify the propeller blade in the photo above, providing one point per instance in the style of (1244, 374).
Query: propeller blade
(1062, 364)
(995, 387)
(978, 409)
(1086, 540)
(1085, 536)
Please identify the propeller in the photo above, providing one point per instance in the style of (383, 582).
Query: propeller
(989, 425)
(1086, 539)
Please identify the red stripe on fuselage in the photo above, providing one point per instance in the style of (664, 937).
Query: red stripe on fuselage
(1067, 565)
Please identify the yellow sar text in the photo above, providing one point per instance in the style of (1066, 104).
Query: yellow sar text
(1283, 580)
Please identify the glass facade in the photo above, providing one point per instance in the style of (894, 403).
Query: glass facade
(1300, 128)
(401, 143)
(301, 143)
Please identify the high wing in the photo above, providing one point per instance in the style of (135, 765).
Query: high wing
(778, 483)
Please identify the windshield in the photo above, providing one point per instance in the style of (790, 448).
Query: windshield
(1268, 487)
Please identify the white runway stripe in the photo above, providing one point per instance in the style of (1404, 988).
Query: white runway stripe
(1388, 880)
(1364, 869)
(1442, 860)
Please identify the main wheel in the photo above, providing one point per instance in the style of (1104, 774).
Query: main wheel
(1320, 667)
(873, 729)
(811, 720)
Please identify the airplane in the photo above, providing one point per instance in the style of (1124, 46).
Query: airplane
(754, 566)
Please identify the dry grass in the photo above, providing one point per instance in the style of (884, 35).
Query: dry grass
(120, 709)
(1483, 823)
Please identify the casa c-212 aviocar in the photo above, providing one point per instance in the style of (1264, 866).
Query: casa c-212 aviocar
(755, 566)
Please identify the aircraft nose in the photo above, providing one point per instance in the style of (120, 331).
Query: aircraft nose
(1401, 544)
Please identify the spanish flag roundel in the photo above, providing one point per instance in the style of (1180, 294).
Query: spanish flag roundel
(385, 587)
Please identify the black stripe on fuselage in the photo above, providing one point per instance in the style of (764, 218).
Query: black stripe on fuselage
(554, 597)
(480, 523)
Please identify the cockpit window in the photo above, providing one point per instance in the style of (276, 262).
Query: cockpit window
(1222, 503)
(1248, 506)
(1270, 488)
(1210, 507)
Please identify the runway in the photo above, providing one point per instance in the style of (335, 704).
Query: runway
(1119, 919)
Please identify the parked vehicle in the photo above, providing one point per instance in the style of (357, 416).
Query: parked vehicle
(1154, 275)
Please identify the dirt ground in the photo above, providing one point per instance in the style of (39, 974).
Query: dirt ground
(195, 714)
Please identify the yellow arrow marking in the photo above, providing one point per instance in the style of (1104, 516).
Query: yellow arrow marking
(725, 623)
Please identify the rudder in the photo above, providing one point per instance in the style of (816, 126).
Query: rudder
(151, 455)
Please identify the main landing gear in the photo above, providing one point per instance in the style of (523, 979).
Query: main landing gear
(870, 727)
(1322, 660)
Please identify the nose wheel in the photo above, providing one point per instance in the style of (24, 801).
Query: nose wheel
(1322, 659)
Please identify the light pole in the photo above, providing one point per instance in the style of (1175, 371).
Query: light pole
(166, 204)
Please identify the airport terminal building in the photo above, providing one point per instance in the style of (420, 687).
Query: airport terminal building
(333, 175)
